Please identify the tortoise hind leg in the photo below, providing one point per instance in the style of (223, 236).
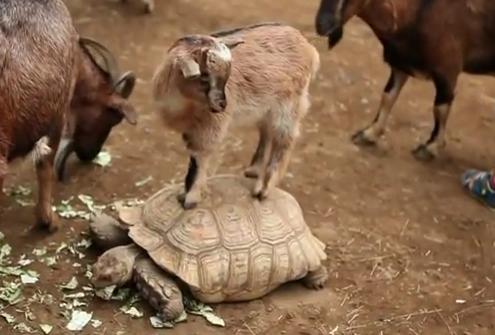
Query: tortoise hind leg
(316, 279)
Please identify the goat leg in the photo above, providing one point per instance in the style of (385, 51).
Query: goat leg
(276, 167)
(441, 110)
(149, 6)
(259, 159)
(369, 136)
(192, 172)
(44, 170)
(196, 182)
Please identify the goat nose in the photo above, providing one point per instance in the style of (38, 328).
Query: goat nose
(222, 104)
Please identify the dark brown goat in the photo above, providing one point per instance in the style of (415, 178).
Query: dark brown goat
(436, 39)
(43, 67)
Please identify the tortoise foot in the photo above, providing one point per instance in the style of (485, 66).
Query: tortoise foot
(316, 279)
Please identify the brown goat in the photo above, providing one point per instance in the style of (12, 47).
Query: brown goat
(202, 89)
(43, 66)
(436, 39)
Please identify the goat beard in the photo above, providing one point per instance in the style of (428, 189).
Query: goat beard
(335, 36)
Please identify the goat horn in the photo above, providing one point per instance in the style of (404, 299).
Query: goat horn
(110, 64)
(65, 148)
(125, 85)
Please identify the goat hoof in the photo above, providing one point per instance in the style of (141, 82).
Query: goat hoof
(189, 205)
(184, 203)
(190, 200)
(251, 173)
(361, 139)
(424, 154)
(49, 223)
(260, 196)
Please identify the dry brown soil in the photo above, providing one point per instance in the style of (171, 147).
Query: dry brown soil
(408, 251)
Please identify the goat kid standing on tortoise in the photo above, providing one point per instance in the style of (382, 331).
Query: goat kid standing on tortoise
(202, 88)
(49, 81)
(437, 39)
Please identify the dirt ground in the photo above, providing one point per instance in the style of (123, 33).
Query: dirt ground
(408, 251)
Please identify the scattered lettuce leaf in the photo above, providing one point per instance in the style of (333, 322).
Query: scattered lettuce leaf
(46, 328)
(79, 320)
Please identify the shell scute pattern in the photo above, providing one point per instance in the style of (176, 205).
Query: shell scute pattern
(260, 267)
(281, 258)
(195, 232)
(238, 271)
(298, 263)
(237, 227)
(162, 210)
(213, 270)
(272, 227)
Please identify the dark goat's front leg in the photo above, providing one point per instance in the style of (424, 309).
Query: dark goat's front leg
(370, 135)
(44, 155)
(441, 110)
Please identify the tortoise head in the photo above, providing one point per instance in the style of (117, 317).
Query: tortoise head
(114, 267)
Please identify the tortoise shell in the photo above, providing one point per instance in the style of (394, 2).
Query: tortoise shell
(232, 247)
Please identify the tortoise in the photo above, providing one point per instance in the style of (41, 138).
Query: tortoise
(232, 247)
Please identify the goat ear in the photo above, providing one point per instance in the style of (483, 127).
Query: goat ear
(232, 42)
(126, 110)
(189, 67)
(125, 85)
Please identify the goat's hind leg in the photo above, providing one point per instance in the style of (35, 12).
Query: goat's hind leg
(276, 167)
(369, 136)
(43, 155)
(259, 159)
(443, 102)
(283, 130)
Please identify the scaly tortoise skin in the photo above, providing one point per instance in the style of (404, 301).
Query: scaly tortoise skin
(232, 247)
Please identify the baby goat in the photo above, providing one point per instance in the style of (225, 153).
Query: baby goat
(437, 39)
(49, 80)
(256, 75)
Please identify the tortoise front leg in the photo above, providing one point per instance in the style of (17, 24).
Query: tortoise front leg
(156, 287)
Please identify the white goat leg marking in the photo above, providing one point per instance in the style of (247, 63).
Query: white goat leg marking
(388, 101)
(41, 150)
